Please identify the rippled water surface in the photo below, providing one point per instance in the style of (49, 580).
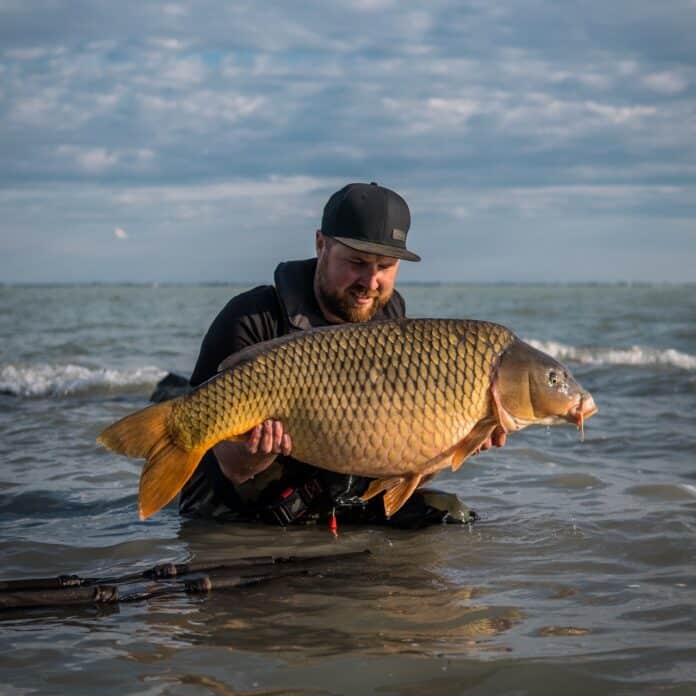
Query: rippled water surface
(579, 578)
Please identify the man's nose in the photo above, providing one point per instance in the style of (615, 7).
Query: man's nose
(370, 279)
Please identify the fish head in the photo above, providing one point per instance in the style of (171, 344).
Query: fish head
(530, 387)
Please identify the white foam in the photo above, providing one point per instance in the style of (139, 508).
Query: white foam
(44, 379)
(635, 355)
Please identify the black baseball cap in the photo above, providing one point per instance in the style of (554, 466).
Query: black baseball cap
(369, 218)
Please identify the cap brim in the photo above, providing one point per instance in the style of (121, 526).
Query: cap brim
(378, 249)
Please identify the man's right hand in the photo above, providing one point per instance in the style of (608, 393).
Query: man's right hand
(241, 460)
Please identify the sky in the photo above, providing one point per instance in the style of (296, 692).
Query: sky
(181, 141)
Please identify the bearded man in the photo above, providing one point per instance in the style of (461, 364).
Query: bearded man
(359, 247)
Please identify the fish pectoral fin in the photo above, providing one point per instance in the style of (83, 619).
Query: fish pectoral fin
(397, 490)
(471, 443)
(396, 496)
(379, 485)
(505, 420)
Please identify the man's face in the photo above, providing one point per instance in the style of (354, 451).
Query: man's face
(351, 285)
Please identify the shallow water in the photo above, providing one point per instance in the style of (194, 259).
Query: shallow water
(579, 577)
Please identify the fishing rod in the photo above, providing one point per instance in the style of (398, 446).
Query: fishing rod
(45, 592)
(166, 571)
(112, 594)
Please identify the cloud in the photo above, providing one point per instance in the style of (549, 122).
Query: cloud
(620, 115)
(26, 53)
(372, 5)
(433, 113)
(91, 160)
(665, 82)
(265, 190)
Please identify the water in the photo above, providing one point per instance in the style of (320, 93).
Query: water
(579, 577)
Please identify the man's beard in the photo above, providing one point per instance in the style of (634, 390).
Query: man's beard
(340, 303)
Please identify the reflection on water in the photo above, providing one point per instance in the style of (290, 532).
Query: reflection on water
(390, 602)
(371, 610)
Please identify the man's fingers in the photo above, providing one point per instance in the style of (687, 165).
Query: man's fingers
(499, 437)
(266, 444)
(277, 436)
(253, 439)
(269, 437)
(496, 439)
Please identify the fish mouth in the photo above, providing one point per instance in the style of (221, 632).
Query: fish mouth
(577, 415)
(584, 409)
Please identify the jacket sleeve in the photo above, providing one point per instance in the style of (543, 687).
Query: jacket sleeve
(249, 318)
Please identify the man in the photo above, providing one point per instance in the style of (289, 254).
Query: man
(359, 247)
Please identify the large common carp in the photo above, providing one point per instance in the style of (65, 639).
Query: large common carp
(396, 401)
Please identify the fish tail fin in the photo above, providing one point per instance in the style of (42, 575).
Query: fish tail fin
(164, 475)
(138, 433)
(146, 433)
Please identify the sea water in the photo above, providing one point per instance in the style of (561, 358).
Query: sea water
(580, 576)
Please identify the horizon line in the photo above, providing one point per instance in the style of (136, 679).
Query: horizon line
(405, 283)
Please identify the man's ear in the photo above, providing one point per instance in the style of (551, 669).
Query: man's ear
(319, 242)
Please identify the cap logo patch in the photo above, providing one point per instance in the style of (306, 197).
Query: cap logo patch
(399, 235)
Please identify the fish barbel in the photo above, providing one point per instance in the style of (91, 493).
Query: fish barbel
(395, 401)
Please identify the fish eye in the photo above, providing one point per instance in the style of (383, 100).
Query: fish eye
(553, 378)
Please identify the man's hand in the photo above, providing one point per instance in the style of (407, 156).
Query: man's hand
(241, 461)
(269, 437)
(497, 439)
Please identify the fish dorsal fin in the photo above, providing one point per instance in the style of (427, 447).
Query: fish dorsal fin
(471, 443)
(250, 353)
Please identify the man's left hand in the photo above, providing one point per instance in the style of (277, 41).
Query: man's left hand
(496, 439)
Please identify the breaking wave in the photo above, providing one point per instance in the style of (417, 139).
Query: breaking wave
(43, 379)
(635, 355)
(62, 380)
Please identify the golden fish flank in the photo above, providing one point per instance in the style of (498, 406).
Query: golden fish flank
(394, 401)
